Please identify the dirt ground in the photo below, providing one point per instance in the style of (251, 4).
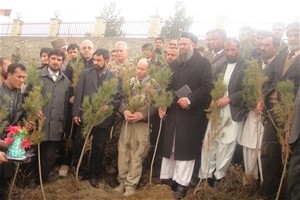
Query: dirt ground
(65, 189)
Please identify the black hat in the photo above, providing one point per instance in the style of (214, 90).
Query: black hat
(292, 26)
(190, 36)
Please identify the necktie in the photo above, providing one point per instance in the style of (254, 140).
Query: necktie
(54, 77)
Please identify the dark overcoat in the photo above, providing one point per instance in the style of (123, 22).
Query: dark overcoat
(188, 126)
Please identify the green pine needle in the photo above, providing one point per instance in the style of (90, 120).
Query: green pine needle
(92, 115)
(284, 111)
(252, 84)
(4, 112)
(77, 66)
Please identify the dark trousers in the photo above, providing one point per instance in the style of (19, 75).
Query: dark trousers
(155, 123)
(49, 153)
(6, 173)
(91, 168)
(271, 161)
(293, 176)
(66, 153)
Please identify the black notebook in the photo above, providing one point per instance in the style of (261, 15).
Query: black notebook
(184, 91)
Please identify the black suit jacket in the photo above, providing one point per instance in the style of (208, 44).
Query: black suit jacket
(275, 74)
(237, 108)
(296, 122)
(87, 86)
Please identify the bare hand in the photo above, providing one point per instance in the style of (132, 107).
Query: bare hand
(137, 116)
(3, 144)
(30, 126)
(128, 115)
(3, 157)
(149, 90)
(103, 108)
(259, 107)
(183, 102)
(77, 120)
(222, 102)
(162, 112)
(71, 100)
(40, 115)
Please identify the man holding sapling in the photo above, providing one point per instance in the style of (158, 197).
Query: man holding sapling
(185, 119)
(90, 81)
(285, 66)
(55, 89)
(220, 142)
(134, 138)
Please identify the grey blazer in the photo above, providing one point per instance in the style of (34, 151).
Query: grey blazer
(55, 110)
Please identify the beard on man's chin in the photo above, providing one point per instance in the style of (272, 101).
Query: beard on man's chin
(184, 57)
(99, 68)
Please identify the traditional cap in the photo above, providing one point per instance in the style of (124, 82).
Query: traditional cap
(190, 36)
(292, 27)
(58, 43)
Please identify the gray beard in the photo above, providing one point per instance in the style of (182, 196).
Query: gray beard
(183, 58)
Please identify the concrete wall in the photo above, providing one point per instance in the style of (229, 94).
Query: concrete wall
(30, 46)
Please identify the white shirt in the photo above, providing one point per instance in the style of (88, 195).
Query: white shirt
(54, 75)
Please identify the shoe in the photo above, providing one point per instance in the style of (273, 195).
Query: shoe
(129, 191)
(120, 188)
(180, 191)
(63, 171)
(169, 182)
(209, 181)
(110, 170)
(94, 182)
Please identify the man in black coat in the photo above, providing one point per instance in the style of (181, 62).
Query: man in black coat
(285, 66)
(90, 80)
(185, 119)
(293, 183)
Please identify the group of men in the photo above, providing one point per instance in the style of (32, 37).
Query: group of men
(187, 142)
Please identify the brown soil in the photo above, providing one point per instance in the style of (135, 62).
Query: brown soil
(65, 189)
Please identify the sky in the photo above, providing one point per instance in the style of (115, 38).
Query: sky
(254, 11)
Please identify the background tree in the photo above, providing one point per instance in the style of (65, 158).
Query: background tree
(178, 23)
(114, 21)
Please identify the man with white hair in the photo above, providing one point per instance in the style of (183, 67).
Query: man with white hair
(86, 54)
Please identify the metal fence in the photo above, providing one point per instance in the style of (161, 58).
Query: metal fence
(130, 29)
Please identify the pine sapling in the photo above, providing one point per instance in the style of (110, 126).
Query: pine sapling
(162, 99)
(93, 114)
(252, 94)
(214, 116)
(284, 111)
(32, 105)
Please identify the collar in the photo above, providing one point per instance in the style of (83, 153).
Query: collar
(52, 72)
(145, 80)
(101, 72)
(8, 89)
(218, 53)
